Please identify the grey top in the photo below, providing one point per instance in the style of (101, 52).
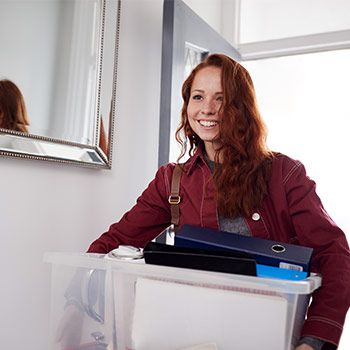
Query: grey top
(236, 225)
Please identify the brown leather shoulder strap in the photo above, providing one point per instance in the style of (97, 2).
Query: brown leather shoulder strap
(174, 198)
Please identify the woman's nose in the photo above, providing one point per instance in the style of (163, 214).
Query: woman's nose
(209, 107)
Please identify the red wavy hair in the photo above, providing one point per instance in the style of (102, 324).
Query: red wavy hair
(13, 112)
(242, 177)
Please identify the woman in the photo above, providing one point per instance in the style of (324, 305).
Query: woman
(233, 182)
(13, 112)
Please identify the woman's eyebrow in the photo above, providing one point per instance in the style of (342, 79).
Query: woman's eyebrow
(202, 91)
(198, 90)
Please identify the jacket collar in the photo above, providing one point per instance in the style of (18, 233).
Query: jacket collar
(198, 156)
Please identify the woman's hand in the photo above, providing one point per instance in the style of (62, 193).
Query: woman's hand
(304, 347)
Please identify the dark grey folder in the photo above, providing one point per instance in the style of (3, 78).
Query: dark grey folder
(266, 252)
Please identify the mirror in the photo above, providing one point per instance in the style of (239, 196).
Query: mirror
(62, 57)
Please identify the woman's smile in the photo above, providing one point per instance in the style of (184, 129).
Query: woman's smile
(208, 123)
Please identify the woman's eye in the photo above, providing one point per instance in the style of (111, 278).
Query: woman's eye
(196, 97)
(220, 98)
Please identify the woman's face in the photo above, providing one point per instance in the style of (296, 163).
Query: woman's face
(204, 104)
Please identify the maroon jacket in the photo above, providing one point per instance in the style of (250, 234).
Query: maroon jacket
(291, 213)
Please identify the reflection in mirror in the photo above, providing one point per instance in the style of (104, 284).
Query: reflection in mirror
(13, 111)
(61, 55)
(193, 56)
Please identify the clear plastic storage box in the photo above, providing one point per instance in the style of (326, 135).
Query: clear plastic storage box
(100, 302)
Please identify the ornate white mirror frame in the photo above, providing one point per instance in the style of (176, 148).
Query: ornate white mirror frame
(76, 125)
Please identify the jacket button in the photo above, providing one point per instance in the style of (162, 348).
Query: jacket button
(256, 216)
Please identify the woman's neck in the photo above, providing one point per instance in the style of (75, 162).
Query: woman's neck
(211, 150)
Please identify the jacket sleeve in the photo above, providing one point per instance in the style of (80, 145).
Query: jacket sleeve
(148, 217)
(331, 257)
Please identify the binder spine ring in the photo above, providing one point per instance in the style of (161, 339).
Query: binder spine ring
(278, 248)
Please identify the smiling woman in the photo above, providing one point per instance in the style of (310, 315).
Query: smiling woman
(63, 56)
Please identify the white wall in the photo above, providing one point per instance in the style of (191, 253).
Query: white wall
(208, 10)
(290, 18)
(221, 15)
(50, 207)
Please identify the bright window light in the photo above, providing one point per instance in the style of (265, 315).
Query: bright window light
(304, 100)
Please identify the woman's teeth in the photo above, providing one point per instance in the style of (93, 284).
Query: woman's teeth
(207, 123)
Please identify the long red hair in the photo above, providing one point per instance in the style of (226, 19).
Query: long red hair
(242, 177)
(13, 112)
